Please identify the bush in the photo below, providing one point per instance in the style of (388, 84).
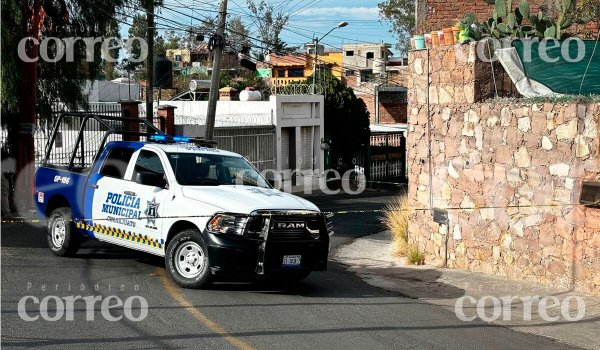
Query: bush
(396, 221)
(415, 256)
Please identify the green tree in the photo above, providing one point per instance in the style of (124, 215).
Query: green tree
(248, 78)
(238, 34)
(160, 46)
(347, 118)
(173, 41)
(109, 67)
(269, 23)
(139, 29)
(31, 88)
(401, 13)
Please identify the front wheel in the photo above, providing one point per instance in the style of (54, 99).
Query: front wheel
(62, 238)
(186, 260)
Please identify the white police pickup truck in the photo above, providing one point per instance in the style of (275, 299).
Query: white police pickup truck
(207, 211)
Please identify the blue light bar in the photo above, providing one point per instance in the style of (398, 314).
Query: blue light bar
(181, 139)
(158, 137)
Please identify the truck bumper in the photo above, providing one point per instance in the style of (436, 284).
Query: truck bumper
(237, 255)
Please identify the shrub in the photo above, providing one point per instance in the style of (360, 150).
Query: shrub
(396, 221)
(415, 256)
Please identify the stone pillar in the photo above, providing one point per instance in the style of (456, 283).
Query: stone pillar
(166, 119)
(130, 109)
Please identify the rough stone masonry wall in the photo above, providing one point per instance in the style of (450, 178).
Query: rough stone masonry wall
(439, 14)
(510, 174)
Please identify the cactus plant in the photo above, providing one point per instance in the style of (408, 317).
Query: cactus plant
(508, 23)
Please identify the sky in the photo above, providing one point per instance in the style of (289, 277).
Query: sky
(308, 18)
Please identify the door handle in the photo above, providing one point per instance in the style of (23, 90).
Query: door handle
(93, 185)
(130, 193)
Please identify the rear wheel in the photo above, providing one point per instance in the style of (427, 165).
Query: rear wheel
(186, 260)
(62, 237)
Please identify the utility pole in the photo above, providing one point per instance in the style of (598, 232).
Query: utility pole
(218, 43)
(316, 44)
(150, 61)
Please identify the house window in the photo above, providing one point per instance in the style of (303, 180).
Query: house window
(281, 73)
(370, 55)
(349, 72)
(349, 53)
(366, 76)
(177, 57)
(295, 73)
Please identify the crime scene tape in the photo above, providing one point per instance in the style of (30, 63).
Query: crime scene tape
(22, 220)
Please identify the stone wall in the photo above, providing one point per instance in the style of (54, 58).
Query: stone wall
(456, 75)
(509, 173)
(439, 14)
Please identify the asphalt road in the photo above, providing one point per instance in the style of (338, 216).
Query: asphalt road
(330, 310)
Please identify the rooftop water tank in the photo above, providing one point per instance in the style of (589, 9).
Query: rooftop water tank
(163, 72)
(199, 85)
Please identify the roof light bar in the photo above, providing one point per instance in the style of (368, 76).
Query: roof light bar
(167, 138)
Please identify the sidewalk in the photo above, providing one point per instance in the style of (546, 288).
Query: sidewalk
(371, 258)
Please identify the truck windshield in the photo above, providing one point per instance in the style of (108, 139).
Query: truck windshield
(199, 169)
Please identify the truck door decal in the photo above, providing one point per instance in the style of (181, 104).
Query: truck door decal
(103, 230)
(151, 213)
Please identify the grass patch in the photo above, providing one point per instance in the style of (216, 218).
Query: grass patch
(415, 256)
(395, 218)
(396, 221)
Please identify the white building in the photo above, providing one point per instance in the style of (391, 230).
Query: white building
(111, 91)
(296, 121)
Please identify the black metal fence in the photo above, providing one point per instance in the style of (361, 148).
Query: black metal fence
(388, 156)
(43, 129)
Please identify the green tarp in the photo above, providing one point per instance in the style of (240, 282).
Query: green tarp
(263, 72)
(562, 76)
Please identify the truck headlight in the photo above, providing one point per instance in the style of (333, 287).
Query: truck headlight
(227, 224)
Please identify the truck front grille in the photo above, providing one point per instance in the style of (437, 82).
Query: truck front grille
(288, 227)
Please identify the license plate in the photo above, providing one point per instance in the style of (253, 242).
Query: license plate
(291, 260)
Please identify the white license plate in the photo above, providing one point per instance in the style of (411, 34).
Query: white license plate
(291, 260)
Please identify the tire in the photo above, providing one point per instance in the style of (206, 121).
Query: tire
(290, 276)
(62, 237)
(186, 260)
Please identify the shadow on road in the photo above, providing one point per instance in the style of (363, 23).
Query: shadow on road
(414, 283)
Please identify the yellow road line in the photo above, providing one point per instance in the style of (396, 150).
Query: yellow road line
(176, 294)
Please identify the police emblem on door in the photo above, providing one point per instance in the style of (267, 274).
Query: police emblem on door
(151, 213)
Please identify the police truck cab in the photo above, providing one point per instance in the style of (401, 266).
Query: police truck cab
(206, 211)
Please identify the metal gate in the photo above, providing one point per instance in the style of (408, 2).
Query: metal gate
(256, 143)
(44, 128)
(388, 156)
